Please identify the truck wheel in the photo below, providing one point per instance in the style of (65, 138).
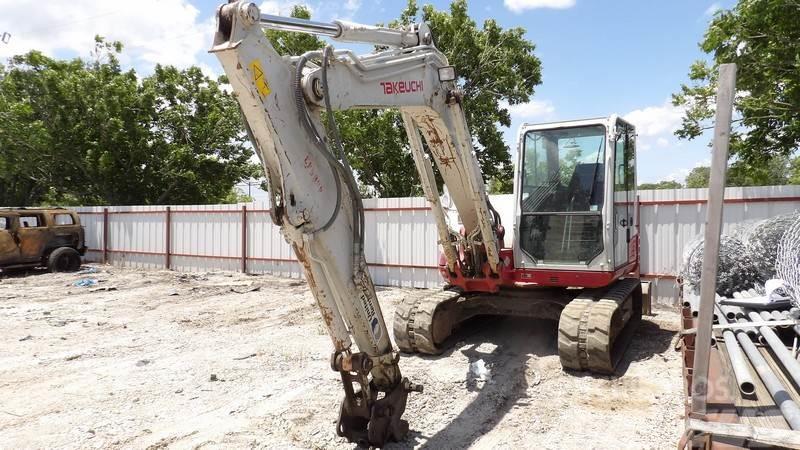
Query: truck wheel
(64, 259)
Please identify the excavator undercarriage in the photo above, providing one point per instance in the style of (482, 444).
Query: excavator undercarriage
(595, 325)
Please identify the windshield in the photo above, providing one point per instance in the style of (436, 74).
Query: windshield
(563, 170)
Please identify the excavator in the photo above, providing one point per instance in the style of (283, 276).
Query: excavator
(574, 254)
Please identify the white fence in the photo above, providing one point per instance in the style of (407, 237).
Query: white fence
(401, 235)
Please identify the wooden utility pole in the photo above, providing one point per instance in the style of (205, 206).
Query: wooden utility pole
(716, 192)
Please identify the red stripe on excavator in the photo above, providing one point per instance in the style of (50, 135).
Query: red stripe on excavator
(564, 278)
(529, 278)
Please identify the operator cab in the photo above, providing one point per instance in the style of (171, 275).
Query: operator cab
(567, 216)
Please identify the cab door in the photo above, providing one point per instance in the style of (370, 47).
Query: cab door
(9, 246)
(624, 179)
(32, 235)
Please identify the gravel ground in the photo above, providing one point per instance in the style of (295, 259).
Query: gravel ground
(158, 359)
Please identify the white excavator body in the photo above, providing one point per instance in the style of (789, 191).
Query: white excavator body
(285, 100)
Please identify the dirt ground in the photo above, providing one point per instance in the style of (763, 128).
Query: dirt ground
(158, 359)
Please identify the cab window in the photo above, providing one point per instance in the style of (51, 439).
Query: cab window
(30, 221)
(4, 223)
(564, 170)
(64, 219)
(563, 182)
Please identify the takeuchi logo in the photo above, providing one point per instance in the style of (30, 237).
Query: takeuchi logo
(401, 87)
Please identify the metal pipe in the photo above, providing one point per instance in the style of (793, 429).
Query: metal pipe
(750, 331)
(299, 25)
(729, 311)
(744, 379)
(784, 316)
(785, 356)
(343, 31)
(788, 407)
(695, 313)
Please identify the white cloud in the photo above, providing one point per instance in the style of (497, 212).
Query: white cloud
(352, 5)
(153, 31)
(521, 5)
(716, 6)
(656, 125)
(655, 120)
(533, 110)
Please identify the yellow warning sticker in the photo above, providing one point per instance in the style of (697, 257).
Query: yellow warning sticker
(259, 79)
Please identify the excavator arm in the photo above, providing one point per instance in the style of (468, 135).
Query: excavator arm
(288, 103)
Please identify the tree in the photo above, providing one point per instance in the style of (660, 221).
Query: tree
(794, 171)
(199, 152)
(87, 132)
(698, 177)
(666, 184)
(288, 43)
(774, 172)
(777, 171)
(494, 65)
(763, 38)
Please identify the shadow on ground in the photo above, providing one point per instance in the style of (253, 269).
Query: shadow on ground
(516, 341)
(22, 272)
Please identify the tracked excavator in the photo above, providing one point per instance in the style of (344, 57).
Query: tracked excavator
(574, 252)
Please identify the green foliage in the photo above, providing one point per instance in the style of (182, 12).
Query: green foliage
(777, 171)
(794, 171)
(568, 162)
(493, 65)
(236, 196)
(286, 43)
(87, 132)
(763, 38)
(501, 185)
(199, 146)
(698, 177)
(666, 184)
(774, 172)
(376, 146)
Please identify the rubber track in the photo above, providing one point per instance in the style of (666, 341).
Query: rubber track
(572, 331)
(414, 320)
(585, 340)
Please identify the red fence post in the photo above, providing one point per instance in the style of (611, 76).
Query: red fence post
(168, 235)
(105, 235)
(244, 238)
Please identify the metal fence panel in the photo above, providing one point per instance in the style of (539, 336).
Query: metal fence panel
(401, 238)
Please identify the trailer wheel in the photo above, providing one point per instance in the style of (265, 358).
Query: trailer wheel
(64, 259)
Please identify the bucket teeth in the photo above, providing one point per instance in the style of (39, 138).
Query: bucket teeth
(418, 328)
(596, 327)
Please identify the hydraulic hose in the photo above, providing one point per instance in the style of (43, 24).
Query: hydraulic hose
(347, 171)
(305, 119)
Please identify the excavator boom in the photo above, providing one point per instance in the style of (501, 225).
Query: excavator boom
(314, 197)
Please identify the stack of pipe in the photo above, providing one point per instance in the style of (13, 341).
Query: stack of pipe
(740, 348)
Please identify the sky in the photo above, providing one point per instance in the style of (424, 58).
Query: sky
(599, 57)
